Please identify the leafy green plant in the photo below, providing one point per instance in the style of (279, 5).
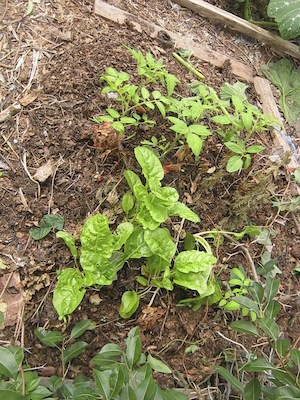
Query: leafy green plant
(287, 14)
(275, 376)
(117, 374)
(47, 223)
(286, 78)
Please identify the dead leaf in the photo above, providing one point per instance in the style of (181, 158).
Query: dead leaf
(29, 97)
(44, 171)
(170, 167)
(12, 300)
(105, 137)
(150, 317)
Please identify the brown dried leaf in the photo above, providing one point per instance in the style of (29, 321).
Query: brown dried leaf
(44, 171)
(29, 98)
(105, 137)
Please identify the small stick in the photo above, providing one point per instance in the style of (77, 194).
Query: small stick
(188, 66)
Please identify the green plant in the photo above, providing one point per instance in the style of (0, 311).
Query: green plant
(47, 223)
(276, 374)
(287, 14)
(117, 374)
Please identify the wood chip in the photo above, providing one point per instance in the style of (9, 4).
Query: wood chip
(44, 171)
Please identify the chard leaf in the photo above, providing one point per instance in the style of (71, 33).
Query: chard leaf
(182, 211)
(69, 242)
(157, 211)
(160, 243)
(146, 220)
(155, 265)
(132, 179)
(193, 280)
(194, 261)
(122, 233)
(136, 246)
(151, 166)
(129, 304)
(68, 292)
(167, 195)
(96, 249)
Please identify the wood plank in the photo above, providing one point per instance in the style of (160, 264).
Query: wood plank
(280, 137)
(279, 45)
(117, 15)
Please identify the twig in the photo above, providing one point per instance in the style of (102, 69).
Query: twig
(24, 164)
(234, 342)
(188, 66)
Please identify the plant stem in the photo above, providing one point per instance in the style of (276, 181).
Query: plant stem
(188, 66)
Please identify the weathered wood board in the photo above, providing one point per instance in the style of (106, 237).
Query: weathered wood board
(115, 14)
(237, 24)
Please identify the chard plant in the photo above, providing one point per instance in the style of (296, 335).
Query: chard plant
(141, 236)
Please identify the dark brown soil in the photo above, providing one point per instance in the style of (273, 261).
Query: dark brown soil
(74, 47)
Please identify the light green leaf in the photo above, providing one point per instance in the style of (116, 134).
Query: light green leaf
(146, 220)
(113, 113)
(158, 365)
(133, 180)
(73, 351)
(68, 292)
(238, 148)
(155, 207)
(160, 243)
(182, 211)
(129, 304)
(69, 242)
(151, 166)
(135, 246)
(194, 261)
(195, 143)
(122, 233)
(235, 163)
(127, 202)
(259, 365)
(222, 119)
(254, 149)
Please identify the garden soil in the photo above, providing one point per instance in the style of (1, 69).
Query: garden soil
(51, 161)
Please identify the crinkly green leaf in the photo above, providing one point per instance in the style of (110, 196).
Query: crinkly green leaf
(68, 292)
(146, 220)
(69, 242)
(157, 211)
(167, 195)
(136, 246)
(149, 162)
(127, 202)
(155, 265)
(96, 249)
(102, 273)
(194, 261)
(192, 280)
(122, 233)
(182, 211)
(160, 243)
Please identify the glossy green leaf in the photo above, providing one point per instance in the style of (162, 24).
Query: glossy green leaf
(68, 292)
(286, 393)
(252, 390)
(8, 364)
(182, 211)
(287, 15)
(234, 164)
(127, 202)
(271, 288)
(133, 347)
(102, 383)
(295, 355)
(122, 233)
(158, 365)
(155, 265)
(259, 365)
(69, 242)
(80, 328)
(108, 354)
(160, 243)
(150, 164)
(136, 246)
(128, 393)
(194, 261)
(146, 389)
(129, 304)
(248, 303)
(231, 379)
(245, 327)
(74, 351)
(146, 220)
(133, 181)
(156, 209)
(49, 338)
(282, 346)
(47, 223)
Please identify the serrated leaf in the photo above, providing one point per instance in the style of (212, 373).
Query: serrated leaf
(238, 148)
(195, 143)
(74, 351)
(234, 164)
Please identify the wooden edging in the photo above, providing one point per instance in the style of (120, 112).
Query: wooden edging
(115, 14)
(279, 45)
